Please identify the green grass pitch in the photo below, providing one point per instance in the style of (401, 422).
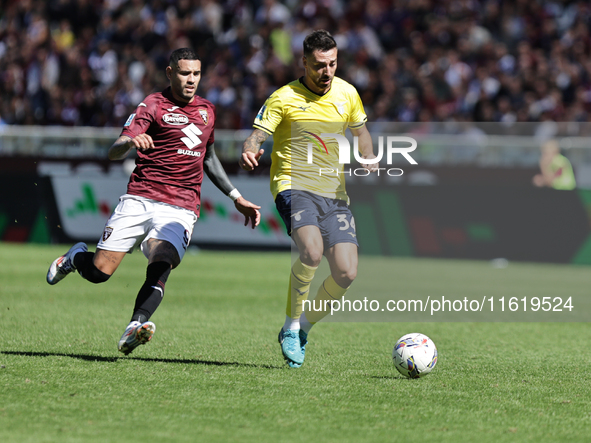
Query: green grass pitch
(214, 373)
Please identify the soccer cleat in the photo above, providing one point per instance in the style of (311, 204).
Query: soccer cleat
(293, 365)
(63, 265)
(136, 334)
(291, 347)
(303, 343)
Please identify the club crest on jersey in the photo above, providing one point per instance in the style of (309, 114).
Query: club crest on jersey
(175, 119)
(107, 232)
(204, 115)
(340, 107)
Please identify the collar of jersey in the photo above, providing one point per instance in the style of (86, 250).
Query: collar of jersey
(301, 79)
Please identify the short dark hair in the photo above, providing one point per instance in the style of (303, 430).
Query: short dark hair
(181, 54)
(320, 40)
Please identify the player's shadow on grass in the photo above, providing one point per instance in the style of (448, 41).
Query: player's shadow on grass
(161, 360)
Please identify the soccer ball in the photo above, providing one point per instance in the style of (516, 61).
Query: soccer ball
(414, 355)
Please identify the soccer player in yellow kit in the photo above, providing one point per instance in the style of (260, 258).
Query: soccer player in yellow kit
(313, 206)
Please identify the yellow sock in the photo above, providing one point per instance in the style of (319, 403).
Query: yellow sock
(320, 306)
(299, 288)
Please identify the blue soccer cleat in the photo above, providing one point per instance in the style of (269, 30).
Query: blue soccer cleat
(291, 347)
(303, 343)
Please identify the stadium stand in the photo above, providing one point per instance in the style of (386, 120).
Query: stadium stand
(89, 62)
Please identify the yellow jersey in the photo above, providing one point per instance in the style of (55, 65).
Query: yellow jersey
(296, 117)
(564, 177)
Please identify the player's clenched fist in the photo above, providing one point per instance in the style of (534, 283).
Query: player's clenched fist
(143, 142)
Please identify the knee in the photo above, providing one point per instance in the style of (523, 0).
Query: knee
(344, 277)
(311, 257)
(94, 274)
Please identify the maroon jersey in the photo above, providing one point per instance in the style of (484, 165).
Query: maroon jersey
(172, 172)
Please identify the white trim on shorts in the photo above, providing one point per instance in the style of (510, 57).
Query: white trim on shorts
(137, 219)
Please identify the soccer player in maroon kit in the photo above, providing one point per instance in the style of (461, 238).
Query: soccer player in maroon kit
(173, 133)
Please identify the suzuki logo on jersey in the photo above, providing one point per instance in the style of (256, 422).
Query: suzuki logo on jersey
(191, 140)
(187, 152)
(175, 119)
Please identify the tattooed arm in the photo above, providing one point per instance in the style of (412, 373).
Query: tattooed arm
(251, 150)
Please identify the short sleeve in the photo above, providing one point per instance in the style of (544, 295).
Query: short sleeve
(358, 116)
(270, 115)
(139, 122)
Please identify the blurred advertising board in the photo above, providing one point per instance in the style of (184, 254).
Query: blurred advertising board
(84, 204)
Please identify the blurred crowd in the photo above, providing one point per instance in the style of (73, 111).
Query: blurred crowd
(90, 62)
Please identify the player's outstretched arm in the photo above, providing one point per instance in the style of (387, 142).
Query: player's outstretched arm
(215, 171)
(124, 144)
(365, 147)
(251, 150)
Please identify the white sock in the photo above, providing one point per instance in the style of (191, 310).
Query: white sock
(291, 324)
(305, 325)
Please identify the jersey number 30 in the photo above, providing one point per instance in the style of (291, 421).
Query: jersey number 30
(192, 133)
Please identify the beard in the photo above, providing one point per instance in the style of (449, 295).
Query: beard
(185, 95)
